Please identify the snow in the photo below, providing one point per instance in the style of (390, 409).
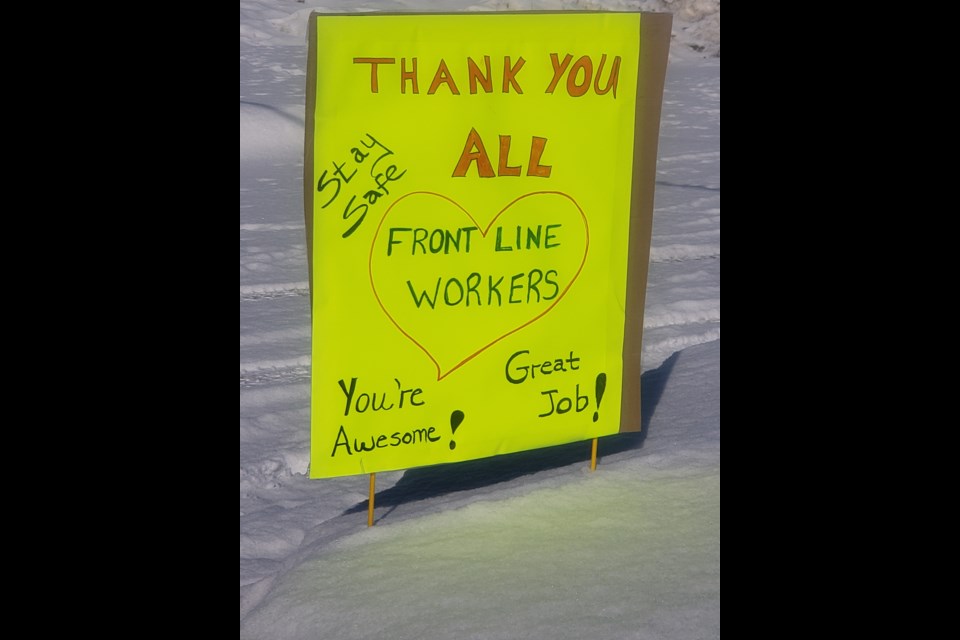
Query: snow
(282, 22)
(526, 545)
(629, 551)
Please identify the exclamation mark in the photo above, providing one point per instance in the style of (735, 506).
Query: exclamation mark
(601, 385)
(455, 419)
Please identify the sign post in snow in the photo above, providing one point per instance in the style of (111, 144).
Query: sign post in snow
(478, 196)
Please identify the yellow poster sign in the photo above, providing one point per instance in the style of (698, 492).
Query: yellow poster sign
(478, 197)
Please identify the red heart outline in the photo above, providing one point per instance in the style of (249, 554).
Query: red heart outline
(483, 232)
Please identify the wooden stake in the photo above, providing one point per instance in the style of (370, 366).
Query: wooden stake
(373, 483)
(593, 456)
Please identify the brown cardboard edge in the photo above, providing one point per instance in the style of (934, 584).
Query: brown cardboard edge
(308, 124)
(651, 73)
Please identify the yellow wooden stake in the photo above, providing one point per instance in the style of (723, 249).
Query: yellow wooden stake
(593, 456)
(373, 483)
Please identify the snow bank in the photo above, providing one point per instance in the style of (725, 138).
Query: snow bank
(269, 132)
(630, 551)
(696, 25)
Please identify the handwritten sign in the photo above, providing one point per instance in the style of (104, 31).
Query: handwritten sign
(478, 195)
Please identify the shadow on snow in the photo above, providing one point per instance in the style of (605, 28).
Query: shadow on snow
(429, 482)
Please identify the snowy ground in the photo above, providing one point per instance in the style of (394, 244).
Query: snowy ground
(527, 545)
